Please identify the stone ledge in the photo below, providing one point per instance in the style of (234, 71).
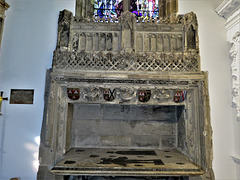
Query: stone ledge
(227, 7)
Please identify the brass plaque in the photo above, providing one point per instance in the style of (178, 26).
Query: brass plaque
(21, 96)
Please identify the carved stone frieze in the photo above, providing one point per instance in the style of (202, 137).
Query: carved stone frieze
(127, 94)
(162, 95)
(124, 94)
(65, 79)
(91, 93)
(235, 54)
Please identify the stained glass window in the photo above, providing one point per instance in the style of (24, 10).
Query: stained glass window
(108, 8)
(145, 8)
(114, 8)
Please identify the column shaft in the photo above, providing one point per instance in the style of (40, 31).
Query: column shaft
(126, 5)
(78, 9)
(162, 8)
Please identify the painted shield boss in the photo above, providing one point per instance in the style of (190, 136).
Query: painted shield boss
(73, 93)
(144, 95)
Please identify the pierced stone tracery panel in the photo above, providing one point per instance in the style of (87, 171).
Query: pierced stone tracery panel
(175, 62)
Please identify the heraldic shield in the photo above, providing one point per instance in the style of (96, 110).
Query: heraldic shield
(73, 93)
(180, 96)
(144, 95)
(109, 95)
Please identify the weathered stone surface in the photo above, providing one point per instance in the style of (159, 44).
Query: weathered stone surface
(145, 141)
(90, 111)
(154, 128)
(123, 141)
(82, 140)
(82, 126)
(168, 142)
(131, 122)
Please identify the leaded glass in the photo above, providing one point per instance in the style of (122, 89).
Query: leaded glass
(108, 8)
(114, 8)
(145, 8)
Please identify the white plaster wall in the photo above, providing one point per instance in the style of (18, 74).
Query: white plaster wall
(233, 26)
(29, 40)
(214, 51)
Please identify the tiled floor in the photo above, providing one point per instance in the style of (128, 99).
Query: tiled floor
(120, 162)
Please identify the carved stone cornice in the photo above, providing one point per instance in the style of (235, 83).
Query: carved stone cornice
(235, 54)
(227, 7)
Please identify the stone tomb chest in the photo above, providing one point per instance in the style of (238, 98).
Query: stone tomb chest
(126, 98)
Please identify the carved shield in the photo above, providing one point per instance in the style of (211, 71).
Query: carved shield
(109, 95)
(73, 93)
(144, 95)
(180, 96)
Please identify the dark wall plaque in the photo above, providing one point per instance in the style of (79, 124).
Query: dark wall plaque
(21, 96)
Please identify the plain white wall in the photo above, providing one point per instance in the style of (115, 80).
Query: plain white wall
(28, 43)
(232, 29)
(29, 40)
(214, 51)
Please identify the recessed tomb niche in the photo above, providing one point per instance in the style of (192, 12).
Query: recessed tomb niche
(136, 126)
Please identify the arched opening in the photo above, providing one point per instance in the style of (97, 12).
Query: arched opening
(191, 38)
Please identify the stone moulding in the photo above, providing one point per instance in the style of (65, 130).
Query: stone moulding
(235, 54)
(226, 8)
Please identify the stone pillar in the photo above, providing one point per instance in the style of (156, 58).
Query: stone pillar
(168, 9)
(173, 9)
(89, 9)
(78, 9)
(3, 7)
(126, 5)
(162, 9)
(83, 9)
